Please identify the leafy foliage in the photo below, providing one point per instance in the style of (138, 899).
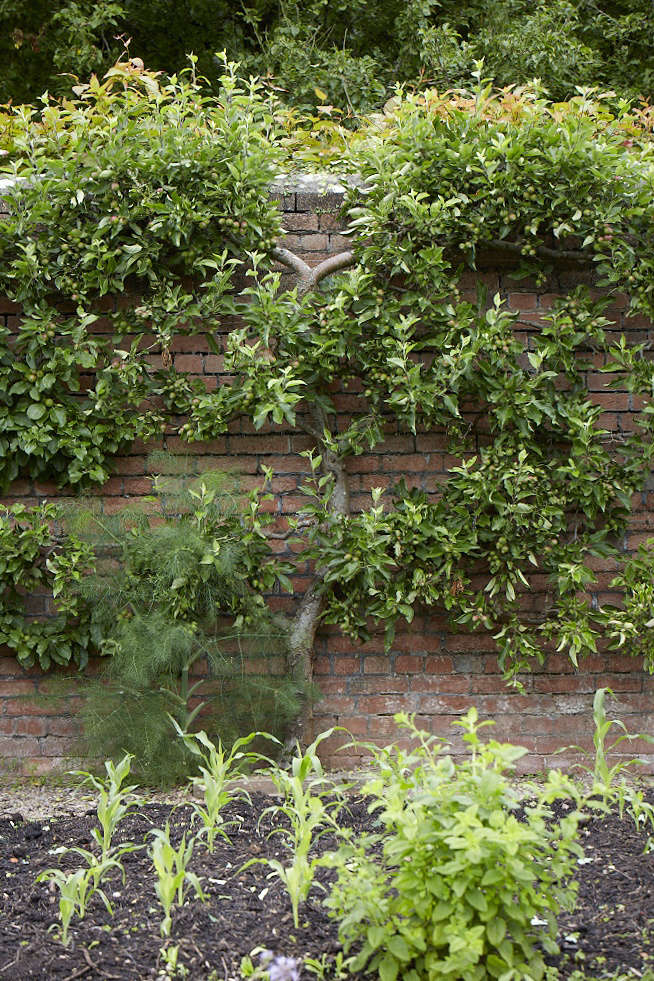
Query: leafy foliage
(130, 192)
(38, 561)
(309, 800)
(538, 488)
(77, 888)
(451, 885)
(168, 597)
(351, 52)
(173, 875)
(219, 783)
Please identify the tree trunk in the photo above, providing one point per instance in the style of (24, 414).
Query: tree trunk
(307, 617)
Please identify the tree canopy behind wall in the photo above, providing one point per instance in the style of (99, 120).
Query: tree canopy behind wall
(348, 54)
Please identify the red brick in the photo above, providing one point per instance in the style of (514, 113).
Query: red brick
(19, 488)
(16, 686)
(354, 724)
(370, 684)
(302, 222)
(523, 301)
(306, 242)
(409, 663)
(385, 704)
(445, 703)
(62, 727)
(447, 684)
(441, 665)
(46, 488)
(130, 464)
(31, 726)
(405, 462)
(376, 665)
(470, 642)
(189, 363)
(417, 643)
(214, 362)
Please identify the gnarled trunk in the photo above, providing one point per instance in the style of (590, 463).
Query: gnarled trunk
(307, 617)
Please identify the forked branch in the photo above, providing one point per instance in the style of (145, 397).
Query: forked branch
(309, 277)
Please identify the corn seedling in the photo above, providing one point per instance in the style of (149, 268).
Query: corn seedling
(172, 966)
(114, 801)
(220, 772)
(78, 887)
(336, 968)
(608, 782)
(173, 876)
(308, 815)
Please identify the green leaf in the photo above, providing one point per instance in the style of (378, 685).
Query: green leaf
(496, 930)
(35, 411)
(376, 935)
(399, 948)
(388, 968)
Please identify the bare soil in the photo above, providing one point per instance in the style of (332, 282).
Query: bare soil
(611, 932)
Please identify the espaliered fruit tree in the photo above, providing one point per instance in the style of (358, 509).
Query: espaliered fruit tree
(146, 190)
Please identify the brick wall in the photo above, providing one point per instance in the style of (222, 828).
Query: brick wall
(431, 670)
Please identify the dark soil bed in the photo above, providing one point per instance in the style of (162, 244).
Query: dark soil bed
(610, 932)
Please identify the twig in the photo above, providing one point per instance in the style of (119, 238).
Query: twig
(78, 973)
(11, 963)
(94, 967)
(571, 255)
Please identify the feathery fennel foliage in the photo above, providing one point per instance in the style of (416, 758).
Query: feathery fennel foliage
(172, 602)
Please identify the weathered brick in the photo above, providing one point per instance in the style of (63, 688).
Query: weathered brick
(18, 747)
(303, 222)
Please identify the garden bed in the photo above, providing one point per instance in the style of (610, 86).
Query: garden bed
(610, 933)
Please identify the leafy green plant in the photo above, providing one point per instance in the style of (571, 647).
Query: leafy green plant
(170, 596)
(39, 561)
(629, 626)
(114, 802)
(536, 492)
(218, 781)
(535, 489)
(451, 884)
(122, 191)
(172, 965)
(356, 50)
(77, 888)
(173, 874)
(609, 787)
(308, 799)
(336, 967)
